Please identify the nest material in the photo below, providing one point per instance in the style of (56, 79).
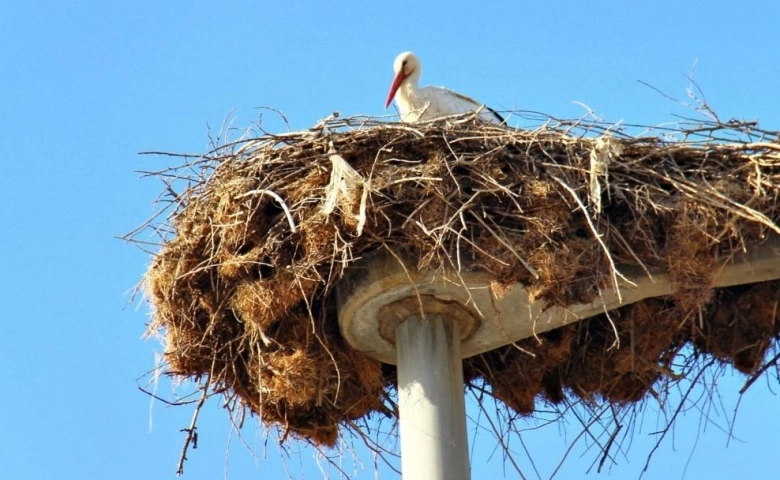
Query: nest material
(243, 288)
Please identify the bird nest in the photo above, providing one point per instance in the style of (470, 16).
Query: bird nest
(261, 230)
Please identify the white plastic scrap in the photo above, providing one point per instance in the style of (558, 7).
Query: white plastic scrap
(604, 151)
(342, 188)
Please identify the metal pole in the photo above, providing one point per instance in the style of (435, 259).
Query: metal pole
(431, 402)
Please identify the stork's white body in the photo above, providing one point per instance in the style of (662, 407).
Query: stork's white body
(417, 103)
(426, 103)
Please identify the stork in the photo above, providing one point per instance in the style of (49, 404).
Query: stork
(417, 103)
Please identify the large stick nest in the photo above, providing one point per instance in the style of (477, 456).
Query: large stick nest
(242, 288)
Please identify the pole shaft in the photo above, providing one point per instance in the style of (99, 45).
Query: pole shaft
(434, 445)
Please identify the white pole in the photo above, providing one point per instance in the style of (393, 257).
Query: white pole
(431, 402)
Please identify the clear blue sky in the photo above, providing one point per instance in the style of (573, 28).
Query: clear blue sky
(84, 86)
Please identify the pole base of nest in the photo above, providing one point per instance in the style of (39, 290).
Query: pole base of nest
(395, 313)
(380, 292)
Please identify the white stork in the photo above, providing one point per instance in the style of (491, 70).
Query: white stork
(426, 103)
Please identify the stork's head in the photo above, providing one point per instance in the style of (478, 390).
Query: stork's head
(406, 66)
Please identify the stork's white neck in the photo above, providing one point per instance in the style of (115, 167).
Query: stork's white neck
(414, 78)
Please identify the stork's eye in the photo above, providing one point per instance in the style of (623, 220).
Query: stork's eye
(404, 63)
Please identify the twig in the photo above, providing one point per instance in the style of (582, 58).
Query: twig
(607, 447)
(677, 411)
(192, 432)
(613, 268)
(279, 200)
(758, 373)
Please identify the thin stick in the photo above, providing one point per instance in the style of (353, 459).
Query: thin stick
(192, 431)
(613, 269)
(282, 203)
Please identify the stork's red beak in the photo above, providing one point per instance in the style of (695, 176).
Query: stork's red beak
(397, 81)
